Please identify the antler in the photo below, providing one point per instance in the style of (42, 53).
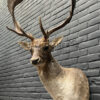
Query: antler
(18, 30)
(68, 19)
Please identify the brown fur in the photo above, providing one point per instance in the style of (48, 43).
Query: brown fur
(62, 83)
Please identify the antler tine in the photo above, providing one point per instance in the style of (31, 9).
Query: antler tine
(42, 29)
(18, 30)
(73, 3)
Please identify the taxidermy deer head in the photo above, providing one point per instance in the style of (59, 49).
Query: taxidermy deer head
(62, 83)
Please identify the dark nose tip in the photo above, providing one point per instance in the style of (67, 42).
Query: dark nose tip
(36, 61)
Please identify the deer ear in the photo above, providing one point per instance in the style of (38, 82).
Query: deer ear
(56, 41)
(24, 45)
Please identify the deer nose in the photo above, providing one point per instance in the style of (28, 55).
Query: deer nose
(35, 61)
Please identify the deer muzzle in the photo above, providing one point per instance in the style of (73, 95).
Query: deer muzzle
(35, 61)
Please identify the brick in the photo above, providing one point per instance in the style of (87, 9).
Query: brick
(87, 4)
(93, 72)
(89, 30)
(94, 21)
(83, 59)
(88, 44)
(95, 64)
(65, 34)
(94, 49)
(94, 7)
(89, 58)
(78, 40)
(74, 54)
(80, 14)
(66, 50)
(60, 8)
(80, 2)
(94, 35)
(78, 28)
(73, 48)
(72, 36)
(88, 17)
(83, 52)
(63, 12)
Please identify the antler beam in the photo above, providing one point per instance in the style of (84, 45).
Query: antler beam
(18, 30)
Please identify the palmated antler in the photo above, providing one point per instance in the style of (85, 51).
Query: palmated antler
(18, 30)
(68, 19)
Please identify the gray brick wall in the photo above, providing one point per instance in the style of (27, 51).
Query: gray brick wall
(80, 47)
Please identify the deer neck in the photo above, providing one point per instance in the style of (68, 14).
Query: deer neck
(50, 69)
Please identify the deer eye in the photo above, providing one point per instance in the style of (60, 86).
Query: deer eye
(45, 48)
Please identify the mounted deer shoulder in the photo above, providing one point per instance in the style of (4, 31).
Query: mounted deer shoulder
(61, 83)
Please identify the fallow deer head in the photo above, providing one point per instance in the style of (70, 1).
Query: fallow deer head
(40, 48)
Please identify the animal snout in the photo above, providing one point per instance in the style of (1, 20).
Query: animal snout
(35, 61)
